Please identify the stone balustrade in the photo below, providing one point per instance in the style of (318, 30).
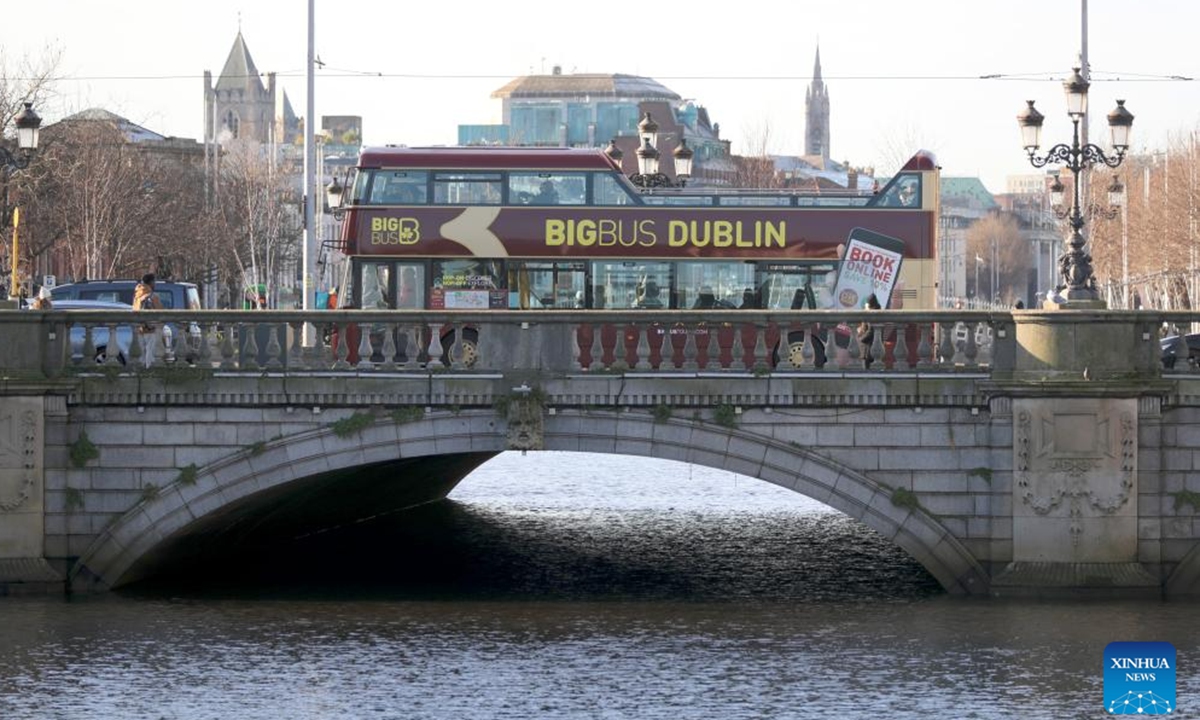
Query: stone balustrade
(612, 341)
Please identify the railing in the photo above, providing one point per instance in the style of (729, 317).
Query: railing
(729, 341)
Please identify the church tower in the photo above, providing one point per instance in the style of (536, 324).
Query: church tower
(239, 106)
(816, 104)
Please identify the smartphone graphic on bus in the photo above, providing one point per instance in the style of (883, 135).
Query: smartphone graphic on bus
(870, 265)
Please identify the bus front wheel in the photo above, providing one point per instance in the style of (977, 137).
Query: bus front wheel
(469, 353)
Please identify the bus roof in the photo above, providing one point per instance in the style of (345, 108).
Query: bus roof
(484, 157)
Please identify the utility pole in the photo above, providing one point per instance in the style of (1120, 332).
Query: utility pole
(310, 225)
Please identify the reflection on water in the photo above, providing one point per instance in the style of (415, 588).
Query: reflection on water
(574, 586)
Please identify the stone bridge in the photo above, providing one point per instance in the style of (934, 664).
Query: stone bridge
(1008, 453)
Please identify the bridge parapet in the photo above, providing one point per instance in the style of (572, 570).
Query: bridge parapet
(348, 341)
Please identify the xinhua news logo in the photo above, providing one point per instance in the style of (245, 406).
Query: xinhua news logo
(1139, 678)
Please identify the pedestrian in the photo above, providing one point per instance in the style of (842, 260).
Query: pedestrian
(42, 301)
(144, 298)
(866, 332)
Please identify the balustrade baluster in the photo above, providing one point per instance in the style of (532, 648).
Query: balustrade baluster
(274, 348)
(690, 350)
(435, 348)
(596, 350)
(484, 339)
(456, 349)
(642, 351)
(855, 346)
(924, 347)
(389, 347)
(985, 350)
(620, 359)
(972, 348)
(762, 361)
(900, 351)
(295, 355)
(227, 353)
(412, 347)
(576, 348)
(249, 359)
(204, 352)
(808, 349)
(785, 347)
(89, 344)
(738, 360)
(342, 352)
(112, 348)
(946, 348)
(135, 349)
(365, 347)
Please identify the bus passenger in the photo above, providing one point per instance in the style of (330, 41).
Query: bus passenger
(648, 294)
(409, 292)
(546, 195)
(705, 300)
(748, 301)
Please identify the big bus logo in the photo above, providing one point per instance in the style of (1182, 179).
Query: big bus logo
(395, 231)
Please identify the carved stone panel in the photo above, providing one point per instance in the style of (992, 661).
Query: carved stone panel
(21, 490)
(1075, 480)
(526, 425)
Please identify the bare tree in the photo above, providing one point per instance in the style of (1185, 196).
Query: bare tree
(896, 147)
(257, 219)
(996, 240)
(755, 168)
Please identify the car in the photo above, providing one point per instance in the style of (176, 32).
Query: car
(100, 339)
(1180, 347)
(174, 295)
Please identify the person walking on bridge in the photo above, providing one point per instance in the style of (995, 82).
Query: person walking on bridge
(144, 298)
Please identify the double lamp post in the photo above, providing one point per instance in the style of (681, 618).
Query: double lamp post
(648, 155)
(1075, 265)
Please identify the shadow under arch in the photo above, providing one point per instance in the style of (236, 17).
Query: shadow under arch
(1184, 580)
(418, 462)
(789, 466)
(458, 443)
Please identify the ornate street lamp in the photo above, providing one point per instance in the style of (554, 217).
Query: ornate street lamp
(334, 193)
(27, 122)
(1075, 265)
(648, 174)
(1116, 198)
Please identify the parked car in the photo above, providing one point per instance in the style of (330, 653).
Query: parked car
(174, 295)
(100, 339)
(1180, 347)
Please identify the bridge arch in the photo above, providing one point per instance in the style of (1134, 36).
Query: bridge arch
(119, 554)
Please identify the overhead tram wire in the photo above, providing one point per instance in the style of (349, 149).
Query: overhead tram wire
(346, 73)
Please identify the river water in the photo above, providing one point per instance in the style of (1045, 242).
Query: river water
(558, 585)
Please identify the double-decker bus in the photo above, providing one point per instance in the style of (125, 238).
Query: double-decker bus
(526, 228)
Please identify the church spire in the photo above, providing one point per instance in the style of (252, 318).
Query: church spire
(816, 111)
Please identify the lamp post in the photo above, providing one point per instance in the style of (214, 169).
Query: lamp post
(27, 122)
(1075, 265)
(648, 174)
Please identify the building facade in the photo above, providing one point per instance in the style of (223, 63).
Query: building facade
(589, 110)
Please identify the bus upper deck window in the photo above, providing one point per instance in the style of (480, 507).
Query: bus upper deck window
(398, 188)
(609, 191)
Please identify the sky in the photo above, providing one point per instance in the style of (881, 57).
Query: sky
(948, 76)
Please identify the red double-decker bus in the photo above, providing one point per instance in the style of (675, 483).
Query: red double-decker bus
(527, 228)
